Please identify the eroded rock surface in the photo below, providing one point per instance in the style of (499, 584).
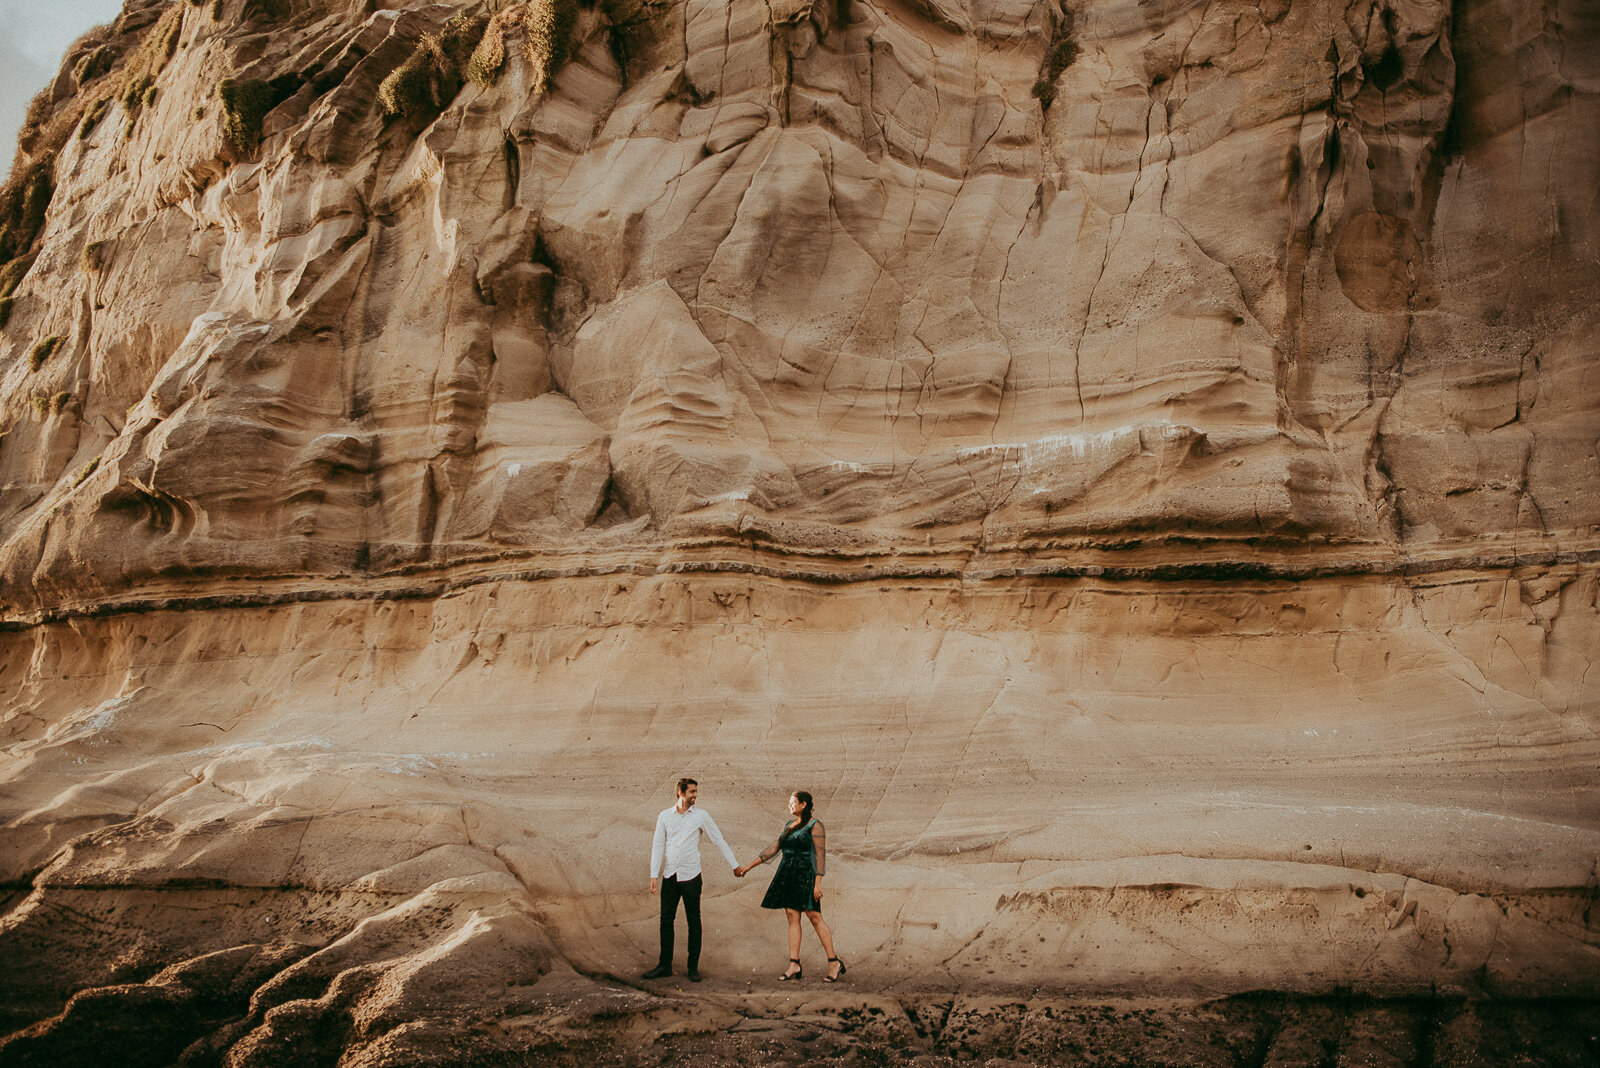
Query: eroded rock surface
(1137, 464)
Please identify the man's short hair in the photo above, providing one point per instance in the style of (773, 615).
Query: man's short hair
(684, 784)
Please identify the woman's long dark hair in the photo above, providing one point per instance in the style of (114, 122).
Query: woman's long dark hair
(805, 806)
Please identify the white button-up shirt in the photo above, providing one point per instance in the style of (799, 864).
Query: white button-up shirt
(676, 848)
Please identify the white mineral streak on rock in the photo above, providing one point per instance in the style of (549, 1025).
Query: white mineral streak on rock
(1160, 527)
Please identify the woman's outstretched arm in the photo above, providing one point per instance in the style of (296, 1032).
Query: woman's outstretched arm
(766, 855)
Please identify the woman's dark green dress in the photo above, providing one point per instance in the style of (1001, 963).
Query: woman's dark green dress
(795, 879)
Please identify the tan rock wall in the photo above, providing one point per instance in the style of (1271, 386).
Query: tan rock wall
(1381, 784)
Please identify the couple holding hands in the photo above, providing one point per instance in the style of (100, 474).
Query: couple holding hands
(796, 886)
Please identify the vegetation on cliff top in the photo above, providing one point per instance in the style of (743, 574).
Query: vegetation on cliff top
(23, 203)
(139, 72)
(546, 27)
(428, 80)
(51, 119)
(472, 47)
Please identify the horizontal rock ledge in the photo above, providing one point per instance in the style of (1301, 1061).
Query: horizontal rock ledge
(823, 569)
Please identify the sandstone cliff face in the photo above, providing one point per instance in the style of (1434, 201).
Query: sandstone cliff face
(1260, 280)
(1137, 463)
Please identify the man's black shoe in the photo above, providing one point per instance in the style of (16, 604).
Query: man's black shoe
(658, 972)
(694, 975)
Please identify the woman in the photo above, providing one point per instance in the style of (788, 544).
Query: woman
(797, 884)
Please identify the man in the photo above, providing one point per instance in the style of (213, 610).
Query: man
(675, 872)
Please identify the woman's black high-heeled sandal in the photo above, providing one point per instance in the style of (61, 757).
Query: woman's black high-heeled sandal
(796, 974)
(834, 978)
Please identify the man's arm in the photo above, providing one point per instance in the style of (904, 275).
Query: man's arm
(710, 829)
(658, 851)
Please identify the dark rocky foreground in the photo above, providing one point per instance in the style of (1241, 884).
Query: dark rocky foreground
(1253, 1031)
(202, 1020)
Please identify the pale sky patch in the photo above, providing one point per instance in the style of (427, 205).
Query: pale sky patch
(34, 34)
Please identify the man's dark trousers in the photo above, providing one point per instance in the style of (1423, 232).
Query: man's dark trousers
(671, 890)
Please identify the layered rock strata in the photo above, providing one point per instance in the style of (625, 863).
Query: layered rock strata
(1135, 463)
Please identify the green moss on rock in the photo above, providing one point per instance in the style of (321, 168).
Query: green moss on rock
(91, 117)
(85, 471)
(246, 103)
(12, 274)
(43, 350)
(1058, 57)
